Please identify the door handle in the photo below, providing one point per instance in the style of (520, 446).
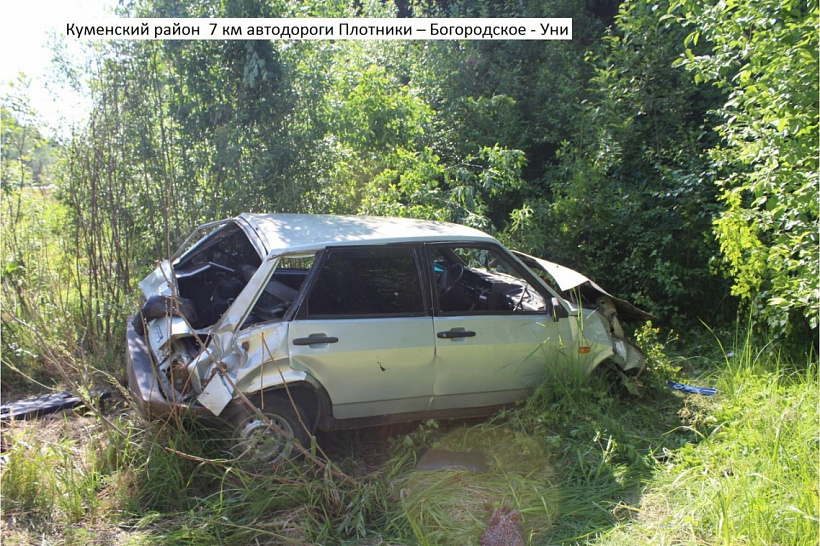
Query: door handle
(455, 334)
(315, 339)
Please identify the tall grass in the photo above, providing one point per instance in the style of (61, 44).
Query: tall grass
(62, 473)
(584, 463)
(57, 330)
(35, 285)
(753, 476)
(454, 506)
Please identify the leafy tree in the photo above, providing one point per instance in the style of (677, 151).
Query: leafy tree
(596, 164)
(26, 153)
(514, 95)
(764, 54)
(631, 200)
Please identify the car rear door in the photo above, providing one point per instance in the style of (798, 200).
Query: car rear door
(365, 333)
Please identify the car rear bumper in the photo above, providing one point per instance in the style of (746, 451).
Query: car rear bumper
(143, 384)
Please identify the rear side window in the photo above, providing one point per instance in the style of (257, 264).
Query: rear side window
(367, 282)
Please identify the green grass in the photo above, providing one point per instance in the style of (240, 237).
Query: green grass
(455, 506)
(584, 464)
(48, 312)
(752, 478)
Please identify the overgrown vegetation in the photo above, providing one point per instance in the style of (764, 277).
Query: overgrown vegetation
(584, 463)
(765, 54)
(669, 151)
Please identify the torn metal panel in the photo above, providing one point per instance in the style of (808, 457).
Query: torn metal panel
(162, 331)
(569, 280)
(159, 282)
(217, 393)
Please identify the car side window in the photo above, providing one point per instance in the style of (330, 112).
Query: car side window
(481, 279)
(367, 282)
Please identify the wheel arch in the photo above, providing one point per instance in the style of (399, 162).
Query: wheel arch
(302, 394)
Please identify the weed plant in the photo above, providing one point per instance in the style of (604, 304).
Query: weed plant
(454, 506)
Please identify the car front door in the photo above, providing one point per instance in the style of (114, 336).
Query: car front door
(496, 336)
(364, 331)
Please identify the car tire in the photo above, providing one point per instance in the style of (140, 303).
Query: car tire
(253, 442)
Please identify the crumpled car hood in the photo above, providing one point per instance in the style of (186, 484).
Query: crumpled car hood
(568, 280)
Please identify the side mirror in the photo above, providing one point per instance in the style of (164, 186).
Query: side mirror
(558, 311)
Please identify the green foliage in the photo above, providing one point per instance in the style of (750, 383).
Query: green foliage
(26, 153)
(38, 291)
(764, 54)
(752, 477)
(422, 187)
(57, 477)
(631, 200)
(453, 506)
(660, 365)
(373, 124)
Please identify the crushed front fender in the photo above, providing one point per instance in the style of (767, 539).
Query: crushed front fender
(152, 399)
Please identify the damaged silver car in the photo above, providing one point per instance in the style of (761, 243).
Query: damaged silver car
(309, 322)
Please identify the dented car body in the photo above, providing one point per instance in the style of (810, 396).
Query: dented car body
(336, 322)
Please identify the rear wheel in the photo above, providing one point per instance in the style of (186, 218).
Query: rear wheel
(254, 441)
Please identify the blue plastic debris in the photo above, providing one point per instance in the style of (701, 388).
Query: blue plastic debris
(705, 391)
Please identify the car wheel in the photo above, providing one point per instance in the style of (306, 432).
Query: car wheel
(254, 442)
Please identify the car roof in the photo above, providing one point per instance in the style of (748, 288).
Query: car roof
(291, 231)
